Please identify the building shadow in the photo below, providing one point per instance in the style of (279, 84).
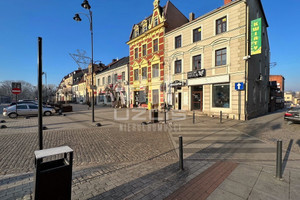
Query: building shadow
(287, 153)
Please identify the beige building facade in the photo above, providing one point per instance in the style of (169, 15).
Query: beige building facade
(113, 83)
(209, 67)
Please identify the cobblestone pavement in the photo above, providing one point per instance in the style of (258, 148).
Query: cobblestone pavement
(124, 160)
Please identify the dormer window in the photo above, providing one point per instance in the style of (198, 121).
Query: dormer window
(136, 33)
(145, 28)
(156, 21)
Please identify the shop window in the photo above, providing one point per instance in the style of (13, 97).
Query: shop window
(144, 73)
(177, 66)
(221, 55)
(155, 98)
(155, 71)
(196, 62)
(220, 96)
(177, 41)
(221, 25)
(136, 74)
(197, 34)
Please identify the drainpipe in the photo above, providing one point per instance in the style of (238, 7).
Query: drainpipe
(246, 61)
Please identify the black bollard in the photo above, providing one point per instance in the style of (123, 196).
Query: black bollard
(180, 153)
(165, 116)
(193, 117)
(221, 117)
(279, 159)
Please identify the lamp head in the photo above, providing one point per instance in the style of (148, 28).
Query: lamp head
(86, 5)
(77, 18)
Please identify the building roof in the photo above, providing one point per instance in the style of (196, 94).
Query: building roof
(218, 9)
(118, 63)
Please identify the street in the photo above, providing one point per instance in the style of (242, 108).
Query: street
(123, 159)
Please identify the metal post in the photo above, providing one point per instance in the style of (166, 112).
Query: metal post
(17, 104)
(279, 159)
(239, 106)
(180, 153)
(165, 116)
(92, 45)
(40, 96)
(193, 117)
(221, 117)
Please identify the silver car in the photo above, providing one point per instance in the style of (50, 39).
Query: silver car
(26, 109)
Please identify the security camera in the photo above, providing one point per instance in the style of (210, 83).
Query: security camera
(246, 57)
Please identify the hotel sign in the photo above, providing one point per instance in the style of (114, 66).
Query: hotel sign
(196, 73)
(256, 36)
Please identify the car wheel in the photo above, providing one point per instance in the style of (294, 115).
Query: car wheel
(13, 115)
(47, 113)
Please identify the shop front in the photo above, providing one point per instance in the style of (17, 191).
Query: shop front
(177, 88)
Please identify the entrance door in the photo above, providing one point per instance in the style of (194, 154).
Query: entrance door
(197, 100)
(179, 101)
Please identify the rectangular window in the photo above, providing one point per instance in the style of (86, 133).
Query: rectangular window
(156, 21)
(123, 76)
(155, 70)
(144, 50)
(221, 96)
(145, 28)
(221, 57)
(144, 73)
(109, 80)
(155, 98)
(155, 45)
(103, 81)
(196, 62)
(98, 81)
(197, 34)
(221, 25)
(115, 78)
(136, 74)
(177, 41)
(136, 53)
(177, 66)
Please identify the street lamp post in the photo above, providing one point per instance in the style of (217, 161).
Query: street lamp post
(44, 73)
(77, 18)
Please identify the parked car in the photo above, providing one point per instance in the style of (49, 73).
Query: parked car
(293, 115)
(26, 109)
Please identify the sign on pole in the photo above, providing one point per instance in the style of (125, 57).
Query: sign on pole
(256, 36)
(239, 86)
(16, 88)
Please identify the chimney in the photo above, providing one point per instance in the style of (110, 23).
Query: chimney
(192, 16)
(227, 1)
(114, 60)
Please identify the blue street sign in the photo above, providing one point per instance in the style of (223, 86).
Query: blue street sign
(239, 86)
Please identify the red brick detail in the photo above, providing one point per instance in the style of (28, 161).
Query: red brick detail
(161, 73)
(161, 34)
(227, 2)
(204, 184)
(161, 40)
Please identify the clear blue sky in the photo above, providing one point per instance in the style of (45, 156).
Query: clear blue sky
(23, 21)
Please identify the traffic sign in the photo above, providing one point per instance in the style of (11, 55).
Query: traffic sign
(16, 87)
(239, 86)
(16, 91)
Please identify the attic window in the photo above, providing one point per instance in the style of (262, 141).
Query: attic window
(145, 28)
(156, 21)
(137, 33)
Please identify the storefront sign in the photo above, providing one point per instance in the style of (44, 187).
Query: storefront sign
(177, 84)
(196, 73)
(256, 36)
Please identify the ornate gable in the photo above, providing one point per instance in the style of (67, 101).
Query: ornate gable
(157, 16)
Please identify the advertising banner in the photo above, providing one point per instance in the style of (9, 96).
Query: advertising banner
(256, 36)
